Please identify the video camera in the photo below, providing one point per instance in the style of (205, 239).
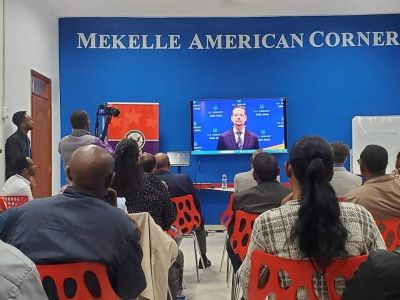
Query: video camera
(107, 110)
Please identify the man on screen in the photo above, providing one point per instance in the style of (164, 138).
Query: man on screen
(238, 137)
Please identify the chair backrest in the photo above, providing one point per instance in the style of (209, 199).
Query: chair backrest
(265, 280)
(14, 201)
(390, 230)
(3, 205)
(240, 237)
(226, 216)
(72, 281)
(188, 217)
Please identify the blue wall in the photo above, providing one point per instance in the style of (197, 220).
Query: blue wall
(325, 86)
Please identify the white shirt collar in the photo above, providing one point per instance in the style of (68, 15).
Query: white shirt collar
(23, 178)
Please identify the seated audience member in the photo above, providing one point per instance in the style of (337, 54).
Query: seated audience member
(78, 225)
(396, 171)
(19, 278)
(380, 193)
(314, 224)
(20, 184)
(143, 192)
(80, 136)
(342, 180)
(267, 194)
(245, 180)
(181, 185)
(376, 278)
(148, 162)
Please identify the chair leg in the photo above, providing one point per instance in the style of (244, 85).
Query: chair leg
(198, 247)
(233, 288)
(195, 258)
(223, 253)
(228, 270)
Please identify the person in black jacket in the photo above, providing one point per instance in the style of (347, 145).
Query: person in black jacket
(267, 194)
(78, 225)
(376, 278)
(18, 144)
(181, 185)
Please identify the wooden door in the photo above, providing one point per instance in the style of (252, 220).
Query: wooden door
(41, 134)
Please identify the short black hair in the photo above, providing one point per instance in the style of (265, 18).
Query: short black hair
(398, 155)
(340, 151)
(266, 167)
(79, 119)
(20, 163)
(147, 162)
(375, 158)
(19, 117)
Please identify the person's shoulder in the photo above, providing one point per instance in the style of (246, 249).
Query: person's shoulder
(251, 132)
(12, 138)
(11, 255)
(352, 211)
(226, 133)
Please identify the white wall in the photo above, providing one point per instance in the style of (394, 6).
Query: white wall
(31, 42)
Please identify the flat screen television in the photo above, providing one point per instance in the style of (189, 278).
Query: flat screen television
(217, 125)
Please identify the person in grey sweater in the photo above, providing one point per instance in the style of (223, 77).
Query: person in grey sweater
(80, 136)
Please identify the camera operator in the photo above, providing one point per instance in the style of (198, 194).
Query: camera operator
(80, 136)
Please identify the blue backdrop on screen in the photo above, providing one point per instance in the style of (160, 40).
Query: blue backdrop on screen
(211, 118)
(329, 68)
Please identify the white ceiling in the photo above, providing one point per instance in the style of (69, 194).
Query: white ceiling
(198, 8)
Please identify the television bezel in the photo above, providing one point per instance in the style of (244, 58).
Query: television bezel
(243, 151)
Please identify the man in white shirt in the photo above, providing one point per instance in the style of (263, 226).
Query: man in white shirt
(20, 184)
(342, 181)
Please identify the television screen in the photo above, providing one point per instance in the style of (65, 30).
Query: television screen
(239, 125)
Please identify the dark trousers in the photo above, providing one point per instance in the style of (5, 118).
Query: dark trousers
(201, 238)
(235, 260)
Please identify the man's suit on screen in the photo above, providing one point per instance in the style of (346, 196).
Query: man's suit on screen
(227, 141)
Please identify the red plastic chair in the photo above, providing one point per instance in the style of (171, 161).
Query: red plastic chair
(3, 205)
(60, 273)
(226, 216)
(188, 218)
(390, 230)
(14, 201)
(265, 268)
(225, 219)
(241, 234)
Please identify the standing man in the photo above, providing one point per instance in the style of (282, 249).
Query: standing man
(181, 185)
(18, 144)
(342, 181)
(80, 136)
(238, 137)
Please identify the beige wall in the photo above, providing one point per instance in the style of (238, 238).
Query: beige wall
(31, 42)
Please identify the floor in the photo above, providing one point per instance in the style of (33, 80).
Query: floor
(212, 283)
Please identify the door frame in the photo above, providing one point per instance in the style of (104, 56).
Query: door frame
(50, 132)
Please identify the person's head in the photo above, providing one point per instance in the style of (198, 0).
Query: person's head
(318, 229)
(239, 117)
(265, 168)
(80, 120)
(23, 121)
(162, 162)
(148, 162)
(373, 161)
(253, 156)
(91, 168)
(127, 171)
(25, 167)
(397, 165)
(340, 151)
